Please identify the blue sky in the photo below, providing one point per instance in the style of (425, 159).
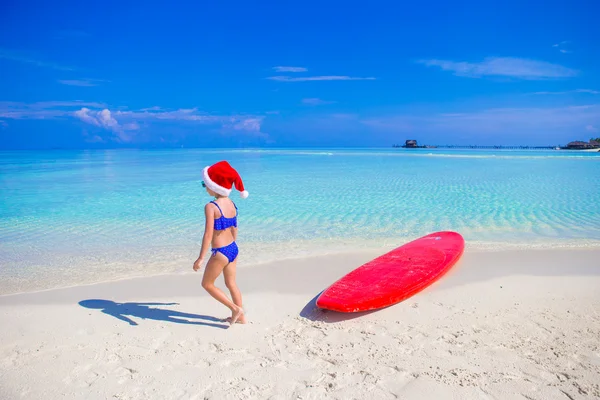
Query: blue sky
(274, 73)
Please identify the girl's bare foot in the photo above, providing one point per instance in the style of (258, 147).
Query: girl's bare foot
(237, 316)
(241, 320)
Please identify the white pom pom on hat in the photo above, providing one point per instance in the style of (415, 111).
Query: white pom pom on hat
(221, 177)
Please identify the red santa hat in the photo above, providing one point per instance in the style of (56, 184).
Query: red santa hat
(221, 177)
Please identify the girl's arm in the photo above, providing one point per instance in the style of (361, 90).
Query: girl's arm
(208, 232)
(235, 233)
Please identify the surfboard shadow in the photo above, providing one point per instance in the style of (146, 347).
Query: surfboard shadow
(123, 312)
(314, 313)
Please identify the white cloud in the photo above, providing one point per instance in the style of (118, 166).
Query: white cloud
(319, 78)
(85, 115)
(124, 122)
(313, 101)
(503, 66)
(290, 69)
(103, 118)
(591, 128)
(82, 82)
(588, 91)
(106, 120)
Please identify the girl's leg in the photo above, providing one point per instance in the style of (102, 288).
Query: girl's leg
(211, 272)
(236, 295)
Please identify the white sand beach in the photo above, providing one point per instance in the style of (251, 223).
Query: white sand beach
(500, 325)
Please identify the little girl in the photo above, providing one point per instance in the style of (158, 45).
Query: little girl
(220, 233)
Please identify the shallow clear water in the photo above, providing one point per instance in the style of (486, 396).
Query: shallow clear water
(84, 216)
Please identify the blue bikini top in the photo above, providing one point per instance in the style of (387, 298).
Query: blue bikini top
(222, 222)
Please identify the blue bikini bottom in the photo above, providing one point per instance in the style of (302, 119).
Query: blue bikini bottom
(230, 251)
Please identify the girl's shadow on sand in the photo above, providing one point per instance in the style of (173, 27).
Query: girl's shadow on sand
(142, 310)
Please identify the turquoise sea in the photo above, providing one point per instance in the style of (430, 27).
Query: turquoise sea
(73, 217)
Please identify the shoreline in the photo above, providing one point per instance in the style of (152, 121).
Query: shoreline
(497, 325)
(341, 263)
(369, 249)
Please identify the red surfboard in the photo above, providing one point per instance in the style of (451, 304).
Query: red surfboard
(394, 276)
